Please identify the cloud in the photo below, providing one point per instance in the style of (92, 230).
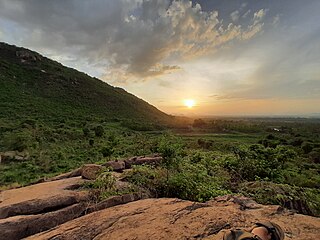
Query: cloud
(276, 20)
(282, 73)
(259, 15)
(136, 39)
(235, 16)
(246, 13)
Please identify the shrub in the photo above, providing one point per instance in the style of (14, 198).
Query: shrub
(104, 185)
(188, 181)
(304, 200)
(107, 151)
(306, 147)
(199, 123)
(257, 162)
(314, 155)
(86, 131)
(99, 131)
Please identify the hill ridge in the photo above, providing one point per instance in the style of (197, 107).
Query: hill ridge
(27, 73)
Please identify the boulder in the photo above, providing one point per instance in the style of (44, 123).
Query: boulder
(142, 160)
(19, 227)
(13, 156)
(91, 171)
(75, 173)
(36, 206)
(28, 56)
(117, 166)
(38, 197)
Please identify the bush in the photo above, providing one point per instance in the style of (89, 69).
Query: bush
(304, 200)
(257, 162)
(188, 181)
(107, 151)
(18, 141)
(199, 123)
(306, 147)
(86, 131)
(104, 185)
(99, 131)
(314, 155)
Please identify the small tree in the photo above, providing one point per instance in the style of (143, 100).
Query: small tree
(86, 131)
(107, 151)
(99, 131)
(169, 152)
(199, 123)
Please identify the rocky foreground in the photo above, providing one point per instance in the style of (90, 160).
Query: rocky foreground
(58, 209)
(178, 219)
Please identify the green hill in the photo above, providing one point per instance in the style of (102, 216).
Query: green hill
(54, 118)
(33, 86)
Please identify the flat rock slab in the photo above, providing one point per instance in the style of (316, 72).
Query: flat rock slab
(18, 227)
(177, 219)
(44, 190)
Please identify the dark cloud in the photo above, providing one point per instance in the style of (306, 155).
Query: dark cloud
(135, 39)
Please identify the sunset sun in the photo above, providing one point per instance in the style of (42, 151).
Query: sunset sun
(189, 103)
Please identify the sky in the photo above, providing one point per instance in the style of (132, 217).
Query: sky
(235, 57)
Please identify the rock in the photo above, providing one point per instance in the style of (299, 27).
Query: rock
(28, 56)
(117, 166)
(243, 202)
(153, 219)
(38, 197)
(13, 155)
(7, 156)
(36, 206)
(91, 171)
(115, 200)
(74, 173)
(18, 227)
(142, 160)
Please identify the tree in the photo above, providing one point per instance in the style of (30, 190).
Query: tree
(107, 151)
(99, 131)
(199, 123)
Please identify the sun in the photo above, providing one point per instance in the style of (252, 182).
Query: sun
(189, 103)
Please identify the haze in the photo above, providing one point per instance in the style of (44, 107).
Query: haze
(230, 57)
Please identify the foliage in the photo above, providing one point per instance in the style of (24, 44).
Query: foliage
(258, 162)
(104, 185)
(99, 131)
(304, 200)
(107, 151)
(190, 182)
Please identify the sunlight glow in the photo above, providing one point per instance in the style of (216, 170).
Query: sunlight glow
(189, 103)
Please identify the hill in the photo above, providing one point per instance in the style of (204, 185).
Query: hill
(54, 118)
(33, 86)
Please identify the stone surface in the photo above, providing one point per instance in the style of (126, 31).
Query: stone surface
(75, 173)
(13, 156)
(18, 227)
(142, 160)
(91, 171)
(41, 191)
(35, 208)
(117, 166)
(177, 219)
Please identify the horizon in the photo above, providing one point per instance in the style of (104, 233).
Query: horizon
(189, 58)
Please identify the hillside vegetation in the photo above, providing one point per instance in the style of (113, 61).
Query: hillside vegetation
(51, 114)
(33, 86)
